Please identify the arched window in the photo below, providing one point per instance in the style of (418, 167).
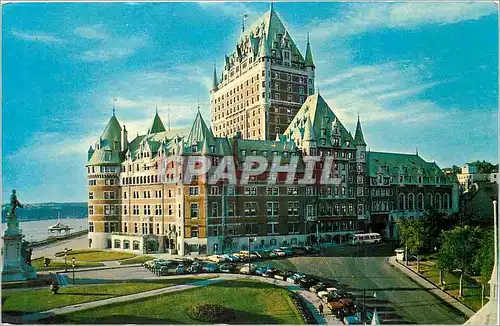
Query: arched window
(420, 202)
(430, 202)
(126, 244)
(117, 244)
(401, 202)
(446, 201)
(411, 202)
(439, 203)
(135, 245)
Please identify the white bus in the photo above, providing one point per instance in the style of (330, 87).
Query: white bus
(365, 238)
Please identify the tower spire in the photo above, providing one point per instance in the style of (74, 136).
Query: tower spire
(309, 62)
(271, 7)
(215, 81)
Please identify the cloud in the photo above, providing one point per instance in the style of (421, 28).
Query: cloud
(360, 18)
(39, 37)
(91, 32)
(114, 48)
(231, 9)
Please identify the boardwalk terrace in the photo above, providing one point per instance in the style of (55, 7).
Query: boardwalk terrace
(141, 200)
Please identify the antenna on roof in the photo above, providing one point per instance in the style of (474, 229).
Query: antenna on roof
(114, 100)
(417, 150)
(243, 18)
(156, 108)
(168, 116)
(271, 8)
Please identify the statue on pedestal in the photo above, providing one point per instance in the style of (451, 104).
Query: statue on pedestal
(14, 204)
(16, 251)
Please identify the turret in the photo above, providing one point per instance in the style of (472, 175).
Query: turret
(310, 67)
(359, 142)
(90, 152)
(215, 81)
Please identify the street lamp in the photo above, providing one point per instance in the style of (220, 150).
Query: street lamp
(31, 238)
(66, 259)
(73, 260)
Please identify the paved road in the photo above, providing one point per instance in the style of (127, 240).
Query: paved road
(397, 298)
(50, 249)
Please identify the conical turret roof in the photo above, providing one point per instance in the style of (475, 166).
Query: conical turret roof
(309, 58)
(359, 140)
(199, 131)
(112, 131)
(157, 125)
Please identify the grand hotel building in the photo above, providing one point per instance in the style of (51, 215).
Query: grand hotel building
(136, 204)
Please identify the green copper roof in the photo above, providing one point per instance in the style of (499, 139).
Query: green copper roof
(309, 57)
(157, 125)
(113, 131)
(394, 164)
(322, 119)
(265, 34)
(199, 131)
(215, 81)
(358, 136)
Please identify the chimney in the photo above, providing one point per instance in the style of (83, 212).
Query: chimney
(124, 143)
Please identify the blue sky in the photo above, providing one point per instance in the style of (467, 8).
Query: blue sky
(420, 75)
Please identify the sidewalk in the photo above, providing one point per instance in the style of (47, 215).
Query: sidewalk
(432, 288)
(311, 300)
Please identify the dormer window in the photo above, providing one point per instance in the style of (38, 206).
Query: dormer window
(243, 152)
(107, 155)
(212, 149)
(264, 153)
(194, 148)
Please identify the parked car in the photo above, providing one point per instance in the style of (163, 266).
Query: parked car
(283, 275)
(180, 269)
(270, 273)
(227, 268)
(247, 269)
(279, 252)
(216, 258)
(310, 250)
(307, 282)
(294, 279)
(195, 268)
(246, 254)
(262, 254)
(297, 250)
(260, 270)
(270, 253)
(210, 268)
(287, 250)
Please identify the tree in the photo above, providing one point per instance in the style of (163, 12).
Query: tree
(434, 223)
(458, 251)
(485, 257)
(412, 234)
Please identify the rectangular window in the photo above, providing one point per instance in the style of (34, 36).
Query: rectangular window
(360, 191)
(214, 191)
(91, 195)
(272, 208)
(91, 226)
(293, 228)
(272, 191)
(194, 210)
(194, 232)
(272, 228)
(215, 209)
(194, 191)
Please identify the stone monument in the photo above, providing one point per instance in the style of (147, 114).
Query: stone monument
(16, 255)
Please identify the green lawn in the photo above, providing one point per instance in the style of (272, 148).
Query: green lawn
(35, 300)
(98, 255)
(254, 303)
(471, 290)
(57, 264)
(136, 260)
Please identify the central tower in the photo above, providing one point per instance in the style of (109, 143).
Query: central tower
(263, 82)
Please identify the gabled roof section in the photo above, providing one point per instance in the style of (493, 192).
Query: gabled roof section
(317, 112)
(157, 125)
(394, 164)
(359, 140)
(264, 35)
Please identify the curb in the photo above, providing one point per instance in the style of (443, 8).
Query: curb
(431, 287)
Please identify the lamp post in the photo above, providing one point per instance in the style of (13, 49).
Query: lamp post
(73, 260)
(66, 260)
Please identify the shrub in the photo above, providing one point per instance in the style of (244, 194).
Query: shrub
(211, 313)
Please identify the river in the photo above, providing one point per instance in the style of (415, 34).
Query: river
(39, 229)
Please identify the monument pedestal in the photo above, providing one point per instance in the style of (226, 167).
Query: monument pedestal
(14, 266)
